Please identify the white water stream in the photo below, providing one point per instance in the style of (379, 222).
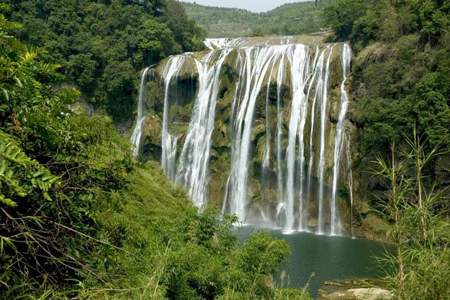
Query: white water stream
(137, 132)
(192, 171)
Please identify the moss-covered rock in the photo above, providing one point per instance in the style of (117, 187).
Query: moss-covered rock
(152, 129)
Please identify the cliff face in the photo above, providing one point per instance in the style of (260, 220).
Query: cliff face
(270, 136)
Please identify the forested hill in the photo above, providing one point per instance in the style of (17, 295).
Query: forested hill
(288, 19)
(102, 45)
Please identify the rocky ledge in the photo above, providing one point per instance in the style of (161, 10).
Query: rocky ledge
(360, 294)
(354, 290)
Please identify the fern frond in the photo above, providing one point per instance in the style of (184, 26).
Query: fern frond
(7, 201)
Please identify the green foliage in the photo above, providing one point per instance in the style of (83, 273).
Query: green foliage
(53, 164)
(400, 73)
(342, 15)
(258, 253)
(421, 264)
(288, 19)
(20, 176)
(366, 21)
(164, 247)
(102, 45)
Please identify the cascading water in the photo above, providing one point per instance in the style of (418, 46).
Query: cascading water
(323, 111)
(284, 88)
(350, 181)
(256, 62)
(219, 43)
(169, 141)
(299, 61)
(338, 144)
(266, 161)
(137, 132)
(280, 176)
(193, 161)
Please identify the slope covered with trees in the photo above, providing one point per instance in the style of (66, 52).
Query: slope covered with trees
(80, 219)
(102, 45)
(288, 19)
(400, 75)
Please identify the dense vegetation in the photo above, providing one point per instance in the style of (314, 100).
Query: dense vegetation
(400, 76)
(401, 87)
(102, 45)
(288, 19)
(420, 266)
(80, 218)
(401, 84)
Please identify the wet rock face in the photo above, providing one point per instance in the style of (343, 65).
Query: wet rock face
(152, 130)
(270, 123)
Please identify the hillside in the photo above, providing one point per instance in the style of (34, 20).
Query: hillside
(288, 19)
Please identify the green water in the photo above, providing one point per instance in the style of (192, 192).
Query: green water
(316, 259)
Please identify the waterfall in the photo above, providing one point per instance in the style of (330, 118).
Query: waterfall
(266, 160)
(168, 141)
(298, 59)
(137, 132)
(318, 78)
(335, 220)
(256, 62)
(350, 181)
(323, 116)
(302, 211)
(278, 113)
(193, 161)
(280, 176)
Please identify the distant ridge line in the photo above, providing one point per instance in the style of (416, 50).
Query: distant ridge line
(287, 19)
(246, 10)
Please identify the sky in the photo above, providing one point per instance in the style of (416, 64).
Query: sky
(253, 5)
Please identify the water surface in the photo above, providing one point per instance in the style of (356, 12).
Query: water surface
(319, 258)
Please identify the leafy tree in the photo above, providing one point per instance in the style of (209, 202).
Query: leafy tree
(89, 37)
(343, 14)
(400, 72)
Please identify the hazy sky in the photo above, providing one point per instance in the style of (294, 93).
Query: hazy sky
(253, 5)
